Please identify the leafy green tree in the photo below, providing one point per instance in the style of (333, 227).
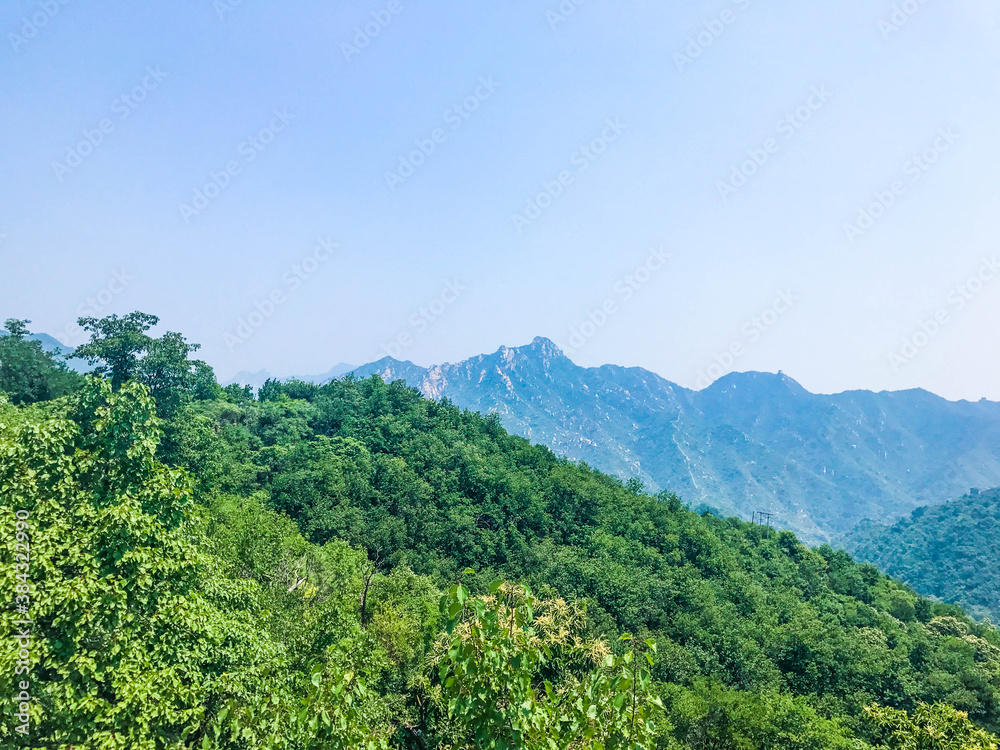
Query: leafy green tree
(126, 651)
(238, 394)
(27, 372)
(172, 377)
(711, 716)
(271, 390)
(116, 345)
(930, 727)
(16, 329)
(120, 349)
(141, 637)
(514, 674)
(635, 485)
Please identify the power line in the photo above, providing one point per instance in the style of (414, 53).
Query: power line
(762, 518)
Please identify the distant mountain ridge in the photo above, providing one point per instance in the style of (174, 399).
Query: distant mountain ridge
(750, 441)
(257, 379)
(55, 347)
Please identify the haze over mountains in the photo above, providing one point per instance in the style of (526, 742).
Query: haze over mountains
(258, 378)
(750, 441)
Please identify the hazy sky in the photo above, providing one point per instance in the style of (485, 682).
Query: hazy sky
(811, 187)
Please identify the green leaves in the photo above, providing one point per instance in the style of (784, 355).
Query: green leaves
(123, 639)
(116, 344)
(120, 349)
(929, 727)
(28, 373)
(490, 670)
(138, 639)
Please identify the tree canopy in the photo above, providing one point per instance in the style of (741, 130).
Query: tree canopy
(27, 372)
(121, 350)
(949, 551)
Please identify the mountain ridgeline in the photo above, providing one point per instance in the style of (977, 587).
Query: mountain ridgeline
(750, 441)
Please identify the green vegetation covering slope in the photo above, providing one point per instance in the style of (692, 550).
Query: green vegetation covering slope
(327, 571)
(949, 551)
(159, 622)
(27, 372)
(749, 441)
(422, 484)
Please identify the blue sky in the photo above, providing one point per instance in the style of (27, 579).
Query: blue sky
(688, 187)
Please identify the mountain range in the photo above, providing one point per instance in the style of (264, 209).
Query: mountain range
(257, 379)
(749, 442)
(55, 347)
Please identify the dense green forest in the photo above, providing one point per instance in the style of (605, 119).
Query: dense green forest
(355, 566)
(949, 551)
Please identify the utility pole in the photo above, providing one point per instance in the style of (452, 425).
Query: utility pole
(763, 518)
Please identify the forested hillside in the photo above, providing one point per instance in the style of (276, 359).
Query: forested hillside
(949, 551)
(324, 567)
(748, 442)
